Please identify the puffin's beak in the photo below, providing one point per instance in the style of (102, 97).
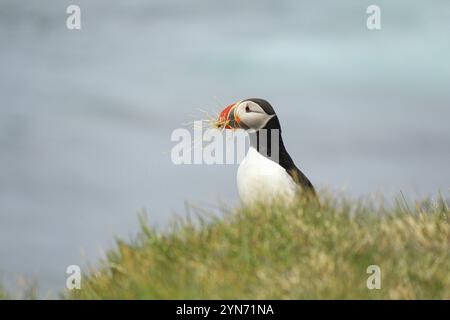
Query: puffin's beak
(228, 119)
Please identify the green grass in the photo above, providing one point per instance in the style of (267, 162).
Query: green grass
(28, 291)
(3, 295)
(276, 252)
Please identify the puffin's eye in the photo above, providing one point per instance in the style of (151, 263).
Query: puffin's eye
(247, 109)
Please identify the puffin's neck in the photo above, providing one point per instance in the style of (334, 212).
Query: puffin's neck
(264, 142)
(268, 141)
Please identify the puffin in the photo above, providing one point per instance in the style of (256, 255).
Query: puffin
(263, 175)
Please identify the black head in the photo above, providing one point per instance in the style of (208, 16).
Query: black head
(250, 114)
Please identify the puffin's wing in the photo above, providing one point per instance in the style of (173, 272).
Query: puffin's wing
(302, 180)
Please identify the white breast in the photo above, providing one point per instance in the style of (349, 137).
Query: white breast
(261, 179)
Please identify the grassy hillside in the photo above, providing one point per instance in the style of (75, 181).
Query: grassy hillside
(300, 252)
(3, 294)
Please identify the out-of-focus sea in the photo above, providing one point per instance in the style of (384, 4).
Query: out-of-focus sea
(86, 116)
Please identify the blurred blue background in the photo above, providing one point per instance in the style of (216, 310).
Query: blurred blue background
(86, 116)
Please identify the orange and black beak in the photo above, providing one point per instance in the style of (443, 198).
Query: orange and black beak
(228, 118)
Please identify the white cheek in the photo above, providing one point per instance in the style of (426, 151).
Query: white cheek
(254, 120)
